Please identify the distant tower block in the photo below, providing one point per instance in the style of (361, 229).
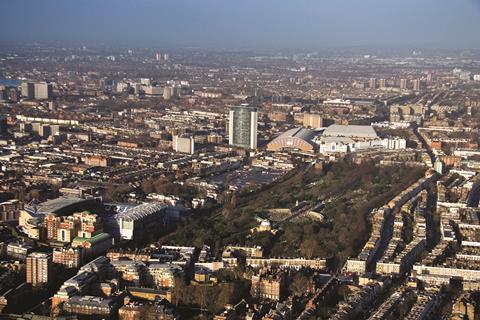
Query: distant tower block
(383, 83)
(417, 85)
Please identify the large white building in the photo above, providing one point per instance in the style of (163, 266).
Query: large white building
(37, 90)
(184, 144)
(350, 138)
(43, 91)
(350, 131)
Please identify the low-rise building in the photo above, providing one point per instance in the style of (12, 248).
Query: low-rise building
(94, 246)
(68, 257)
(91, 306)
(268, 286)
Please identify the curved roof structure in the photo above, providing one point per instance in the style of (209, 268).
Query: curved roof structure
(294, 139)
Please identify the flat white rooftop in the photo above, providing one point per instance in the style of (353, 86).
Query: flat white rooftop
(351, 131)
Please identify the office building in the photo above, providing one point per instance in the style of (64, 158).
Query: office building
(39, 267)
(184, 144)
(403, 84)
(372, 83)
(168, 93)
(312, 120)
(43, 91)
(28, 90)
(242, 127)
(153, 91)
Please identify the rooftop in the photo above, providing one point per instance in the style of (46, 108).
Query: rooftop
(296, 138)
(299, 132)
(91, 301)
(354, 131)
(61, 205)
(141, 211)
(39, 255)
(244, 107)
(96, 238)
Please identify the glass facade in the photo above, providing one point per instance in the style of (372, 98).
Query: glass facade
(243, 127)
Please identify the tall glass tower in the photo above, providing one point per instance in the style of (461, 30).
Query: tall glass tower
(242, 127)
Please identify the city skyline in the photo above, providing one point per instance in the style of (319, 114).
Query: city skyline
(247, 24)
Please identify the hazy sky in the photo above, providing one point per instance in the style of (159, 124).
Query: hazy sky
(302, 24)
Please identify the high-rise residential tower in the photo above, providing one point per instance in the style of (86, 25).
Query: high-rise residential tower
(242, 127)
(38, 269)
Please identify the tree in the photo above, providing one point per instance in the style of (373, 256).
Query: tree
(309, 248)
(181, 292)
(299, 284)
(147, 186)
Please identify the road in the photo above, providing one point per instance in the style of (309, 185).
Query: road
(424, 144)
